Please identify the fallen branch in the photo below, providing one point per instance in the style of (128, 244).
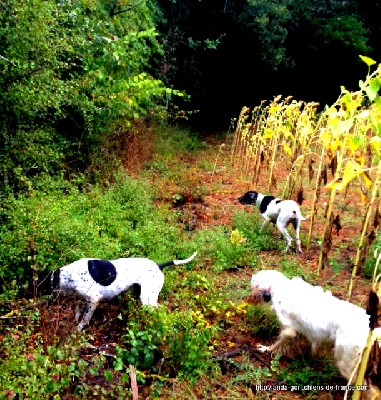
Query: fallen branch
(134, 385)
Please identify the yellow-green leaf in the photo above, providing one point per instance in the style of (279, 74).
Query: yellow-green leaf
(376, 144)
(368, 181)
(287, 149)
(367, 60)
(333, 184)
(351, 171)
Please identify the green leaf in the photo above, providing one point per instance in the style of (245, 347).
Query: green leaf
(375, 84)
(118, 364)
(52, 387)
(368, 60)
(371, 93)
(108, 375)
(93, 371)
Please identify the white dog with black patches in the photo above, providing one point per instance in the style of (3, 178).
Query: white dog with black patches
(280, 212)
(95, 280)
(318, 315)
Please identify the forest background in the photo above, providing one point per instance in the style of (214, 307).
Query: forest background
(75, 73)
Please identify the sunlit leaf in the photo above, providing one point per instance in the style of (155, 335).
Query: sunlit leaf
(367, 60)
(325, 137)
(371, 92)
(375, 142)
(269, 133)
(363, 114)
(375, 84)
(333, 184)
(354, 143)
(351, 171)
(367, 180)
(287, 149)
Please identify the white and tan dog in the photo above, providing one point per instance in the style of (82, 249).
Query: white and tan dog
(316, 314)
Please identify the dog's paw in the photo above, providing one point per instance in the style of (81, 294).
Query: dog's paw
(262, 348)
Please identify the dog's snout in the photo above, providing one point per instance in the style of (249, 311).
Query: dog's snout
(256, 295)
(266, 295)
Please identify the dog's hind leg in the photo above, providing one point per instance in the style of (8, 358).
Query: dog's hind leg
(296, 225)
(150, 291)
(282, 229)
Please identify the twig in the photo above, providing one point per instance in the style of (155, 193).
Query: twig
(134, 385)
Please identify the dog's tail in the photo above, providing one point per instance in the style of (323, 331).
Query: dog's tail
(177, 262)
(300, 216)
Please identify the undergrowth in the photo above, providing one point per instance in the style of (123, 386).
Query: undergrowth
(203, 310)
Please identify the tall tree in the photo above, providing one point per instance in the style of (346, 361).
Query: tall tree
(69, 69)
(306, 48)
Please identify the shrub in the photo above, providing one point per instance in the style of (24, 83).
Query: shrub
(190, 345)
(183, 340)
(47, 231)
(224, 252)
(301, 373)
(27, 371)
(263, 322)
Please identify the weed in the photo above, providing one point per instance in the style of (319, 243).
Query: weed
(54, 230)
(301, 374)
(28, 371)
(145, 332)
(174, 140)
(189, 345)
(249, 225)
(262, 321)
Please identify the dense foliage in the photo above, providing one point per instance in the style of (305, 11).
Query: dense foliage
(75, 72)
(71, 72)
(248, 50)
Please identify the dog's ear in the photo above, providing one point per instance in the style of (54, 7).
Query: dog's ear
(253, 195)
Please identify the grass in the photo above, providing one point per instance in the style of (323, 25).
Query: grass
(172, 208)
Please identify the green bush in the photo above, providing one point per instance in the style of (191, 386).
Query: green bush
(145, 333)
(249, 226)
(189, 351)
(47, 231)
(28, 370)
(182, 340)
(224, 253)
(262, 320)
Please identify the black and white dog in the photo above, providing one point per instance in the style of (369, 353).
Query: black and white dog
(280, 212)
(95, 280)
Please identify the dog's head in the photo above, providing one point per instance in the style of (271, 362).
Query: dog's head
(249, 197)
(262, 285)
(45, 284)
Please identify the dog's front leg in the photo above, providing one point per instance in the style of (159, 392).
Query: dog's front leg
(298, 245)
(90, 308)
(79, 311)
(297, 232)
(287, 334)
(265, 222)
